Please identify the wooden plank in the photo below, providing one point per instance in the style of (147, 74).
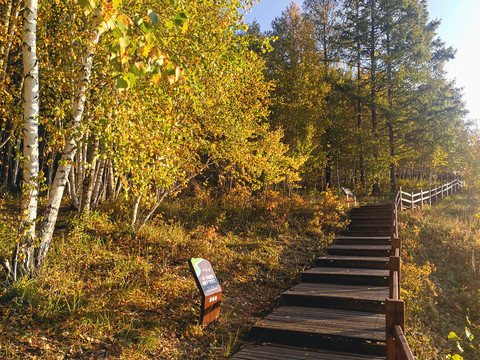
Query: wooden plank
(339, 237)
(362, 241)
(348, 271)
(348, 297)
(403, 349)
(352, 276)
(352, 292)
(330, 329)
(370, 262)
(361, 247)
(359, 250)
(369, 232)
(369, 226)
(277, 352)
(320, 321)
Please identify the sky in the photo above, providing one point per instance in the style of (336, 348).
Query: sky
(460, 28)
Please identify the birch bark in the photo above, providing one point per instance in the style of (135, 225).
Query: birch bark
(70, 148)
(22, 261)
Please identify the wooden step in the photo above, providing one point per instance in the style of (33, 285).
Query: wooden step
(370, 228)
(387, 216)
(369, 224)
(380, 215)
(359, 250)
(362, 240)
(371, 210)
(365, 233)
(368, 262)
(346, 276)
(279, 352)
(373, 206)
(334, 296)
(330, 329)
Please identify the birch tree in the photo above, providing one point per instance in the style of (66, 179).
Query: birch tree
(23, 257)
(29, 255)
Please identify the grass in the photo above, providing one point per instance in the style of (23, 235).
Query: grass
(441, 281)
(107, 292)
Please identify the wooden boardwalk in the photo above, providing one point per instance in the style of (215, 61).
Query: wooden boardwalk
(338, 311)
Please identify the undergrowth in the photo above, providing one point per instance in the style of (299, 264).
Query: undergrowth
(107, 292)
(441, 279)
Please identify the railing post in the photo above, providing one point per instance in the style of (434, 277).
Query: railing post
(394, 266)
(421, 197)
(412, 204)
(395, 315)
(442, 192)
(430, 196)
(401, 200)
(396, 219)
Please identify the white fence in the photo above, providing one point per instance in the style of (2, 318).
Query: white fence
(411, 200)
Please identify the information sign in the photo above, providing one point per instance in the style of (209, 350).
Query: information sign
(209, 288)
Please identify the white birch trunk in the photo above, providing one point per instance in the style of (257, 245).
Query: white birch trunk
(72, 188)
(70, 148)
(110, 181)
(23, 260)
(30, 114)
(99, 184)
(88, 183)
(81, 164)
(10, 27)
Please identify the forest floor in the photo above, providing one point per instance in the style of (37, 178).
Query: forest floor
(108, 293)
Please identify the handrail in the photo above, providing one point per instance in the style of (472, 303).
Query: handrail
(397, 346)
(402, 347)
(412, 200)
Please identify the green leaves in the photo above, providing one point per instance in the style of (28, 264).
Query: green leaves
(153, 17)
(180, 18)
(122, 83)
(88, 5)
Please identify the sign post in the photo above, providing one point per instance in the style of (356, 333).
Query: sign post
(209, 288)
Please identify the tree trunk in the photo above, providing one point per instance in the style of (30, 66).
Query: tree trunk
(373, 93)
(23, 255)
(90, 177)
(10, 28)
(98, 182)
(35, 263)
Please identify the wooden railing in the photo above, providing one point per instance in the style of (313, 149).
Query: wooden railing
(412, 200)
(397, 346)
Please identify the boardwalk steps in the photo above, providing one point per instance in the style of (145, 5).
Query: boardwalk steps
(338, 311)
(279, 352)
(337, 296)
(346, 261)
(359, 250)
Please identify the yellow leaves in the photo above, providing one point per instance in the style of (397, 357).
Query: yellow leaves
(125, 20)
(156, 79)
(185, 27)
(107, 10)
(155, 54)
